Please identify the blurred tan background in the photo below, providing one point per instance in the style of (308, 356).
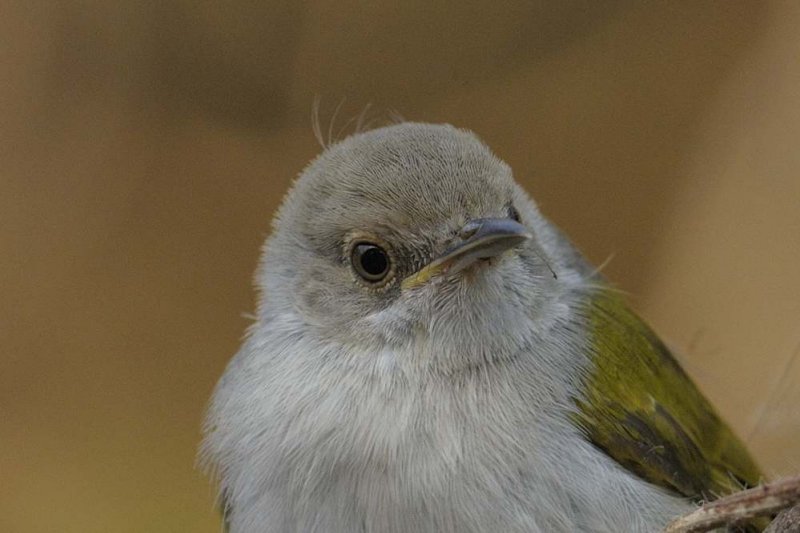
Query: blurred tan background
(144, 146)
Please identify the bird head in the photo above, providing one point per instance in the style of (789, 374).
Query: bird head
(411, 235)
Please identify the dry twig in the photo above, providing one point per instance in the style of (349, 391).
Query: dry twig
(765, 499)
(787, 522)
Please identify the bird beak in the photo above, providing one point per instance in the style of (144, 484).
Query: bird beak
(483, 238)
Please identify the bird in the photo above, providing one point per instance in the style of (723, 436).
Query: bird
(431, 354)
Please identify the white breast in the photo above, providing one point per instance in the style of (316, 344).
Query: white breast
(308, 437)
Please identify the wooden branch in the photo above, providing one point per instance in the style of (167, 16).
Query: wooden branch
(787, 522)
(765, 499)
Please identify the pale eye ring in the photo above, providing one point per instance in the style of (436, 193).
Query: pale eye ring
(370, 261)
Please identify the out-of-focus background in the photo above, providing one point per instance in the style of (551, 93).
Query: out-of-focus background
(145, 145)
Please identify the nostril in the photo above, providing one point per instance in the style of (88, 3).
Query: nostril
(469, 229)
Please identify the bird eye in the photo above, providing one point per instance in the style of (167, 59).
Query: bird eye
(513, 214)
(370, 261)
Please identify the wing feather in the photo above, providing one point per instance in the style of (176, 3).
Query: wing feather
(644, 411)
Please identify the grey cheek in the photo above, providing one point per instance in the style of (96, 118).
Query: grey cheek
(315, 293)
(314, 299)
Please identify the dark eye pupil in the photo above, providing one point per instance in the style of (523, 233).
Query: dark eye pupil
(371, 261)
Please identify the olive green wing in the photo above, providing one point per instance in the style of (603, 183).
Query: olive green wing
(642, 409)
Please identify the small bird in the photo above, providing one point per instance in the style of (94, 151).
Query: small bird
(430, 354)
